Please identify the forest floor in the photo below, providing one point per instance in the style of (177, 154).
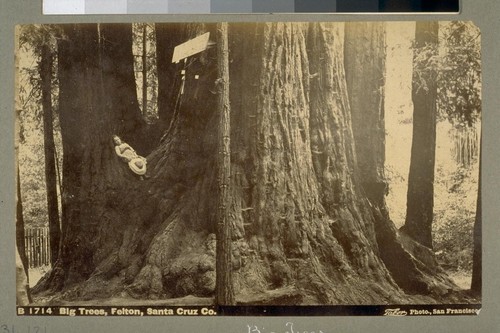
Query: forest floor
(283, 295)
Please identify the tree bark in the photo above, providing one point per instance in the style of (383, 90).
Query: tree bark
(45, 68)
(90, 166)
(477, 261)
(365, 76)
(224, 270)
(420, 198)
(23, 296)
(20, 226)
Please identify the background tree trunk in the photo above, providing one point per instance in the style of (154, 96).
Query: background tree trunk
(20, 226)
(477, 261)
(420, 198)
(144, 58)
(45, 69)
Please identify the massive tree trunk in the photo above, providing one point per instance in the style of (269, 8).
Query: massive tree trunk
(300, 220)
(45, 69)
(91, 171)
(420, 198)
(335, 161)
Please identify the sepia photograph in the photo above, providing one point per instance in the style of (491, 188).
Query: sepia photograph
(281, 168)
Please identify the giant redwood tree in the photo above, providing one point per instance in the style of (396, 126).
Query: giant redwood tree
(301, 224)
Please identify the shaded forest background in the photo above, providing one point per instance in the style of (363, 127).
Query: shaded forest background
(457, 142)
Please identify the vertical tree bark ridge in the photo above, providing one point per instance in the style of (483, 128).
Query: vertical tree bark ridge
(420, 198)
(45, 68)
(334, 157)
(224, 270)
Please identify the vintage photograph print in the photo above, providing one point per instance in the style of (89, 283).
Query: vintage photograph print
(279, 168)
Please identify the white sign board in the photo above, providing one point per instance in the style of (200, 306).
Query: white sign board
(192, 46)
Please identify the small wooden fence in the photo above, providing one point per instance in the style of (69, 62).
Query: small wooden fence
(37, 246)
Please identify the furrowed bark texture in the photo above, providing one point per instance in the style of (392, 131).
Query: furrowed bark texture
(224, 277)
(335, 159)
(365, 76)
(420, 198)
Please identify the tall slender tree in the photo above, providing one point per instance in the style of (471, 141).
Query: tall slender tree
(477, 259)
(144, 57)
(45, 70)
(224, 269)
(420, 198)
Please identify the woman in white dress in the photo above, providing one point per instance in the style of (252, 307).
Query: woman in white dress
(135, 162)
